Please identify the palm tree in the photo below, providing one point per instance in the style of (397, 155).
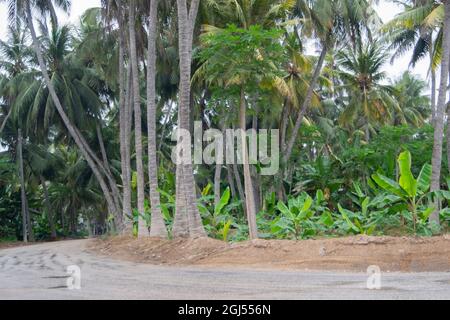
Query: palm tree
(440, 110)
(125, 112)
(114, 12)
(330, 21)
(415, 105)
(158, 228)
(415, 29)
(15, 55)
(22, 8)
(368, 100)
(187, 222)
(143, 230)
(429, 16)
(26, 219)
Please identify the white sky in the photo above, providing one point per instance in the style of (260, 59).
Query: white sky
(386, 9)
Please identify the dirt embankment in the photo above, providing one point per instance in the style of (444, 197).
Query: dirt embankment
(344, 254)
(7, 245)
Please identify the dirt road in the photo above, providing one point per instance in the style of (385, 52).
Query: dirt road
(39, 272)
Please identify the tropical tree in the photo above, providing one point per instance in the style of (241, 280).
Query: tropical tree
(440, 110)
(409, 92)
(143, 230)
(367, 100)
(331, 22)
(187, 222)
(158, 228)
(242, 60)
(20, 8)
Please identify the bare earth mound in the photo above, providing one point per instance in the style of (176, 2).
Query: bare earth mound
(344, 254)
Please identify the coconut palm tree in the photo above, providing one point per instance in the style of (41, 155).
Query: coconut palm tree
(418, 27)
(135, 72)
(409, 92)
(330, 21)
(16, 56)
(158, 228)
(187, 222)
(367, 100)
(440, 109)
(23, 8)
(431, 16)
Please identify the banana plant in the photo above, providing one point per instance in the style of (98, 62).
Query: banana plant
(359, 222)
(295, 217)
(408, 190)
(217, 220)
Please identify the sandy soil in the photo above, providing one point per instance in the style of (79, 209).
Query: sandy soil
(40, 272)
(353, 254)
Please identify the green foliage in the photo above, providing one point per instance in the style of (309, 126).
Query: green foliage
(236, 57)
(408, 190)
(217, 218)
(357, 123)
(301, 217)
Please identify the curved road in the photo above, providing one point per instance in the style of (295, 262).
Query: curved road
(39, 272)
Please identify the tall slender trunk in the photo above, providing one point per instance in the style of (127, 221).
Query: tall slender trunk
(279, 177)
(124, 119)
(240, 187)
(256, 178)
(23, 193)
(217, 181)
(73, 131)
(284, 124)
(188, 222)
(48, 209)
(231, 181)
(2, 127)
(248, 185)
(441, 103)
(433, 95)
(448, 129)
(29, 222)
(143, 230)
(306, 104)
(158, 227)
(128, 127)
(114, 189)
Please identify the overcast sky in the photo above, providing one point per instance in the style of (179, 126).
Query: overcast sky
(386, 9)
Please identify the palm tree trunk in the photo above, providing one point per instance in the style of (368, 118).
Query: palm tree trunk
(188, 222)
(217, 180)
(114, 189)
(29, 222)
(73, 131)
(143, 230)
(23, 193)
(124, 119)
(306, 104)
(441, 104)
(240, 187)
(284, 124)
(433, 95)
(6, 120)
(128, 123)
(248, 185)
(231, 181)
(158, 227)
(48, 209)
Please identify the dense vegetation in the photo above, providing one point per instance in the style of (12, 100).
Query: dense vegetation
(88, 112)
